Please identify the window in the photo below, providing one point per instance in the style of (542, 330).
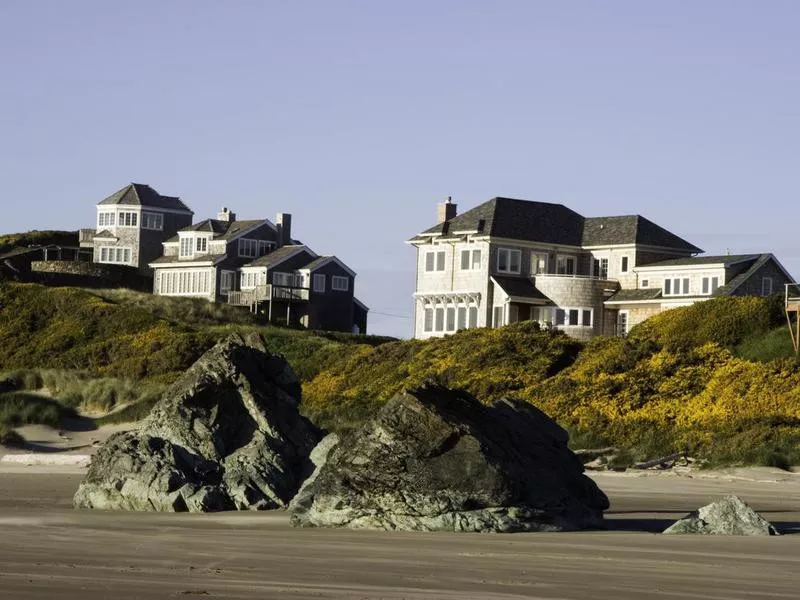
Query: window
(623, 267)
(622, 323)
(644, 283)
(319, 283)
(115, 255)
(498, 316)
(105, 219)
(565, 265)
(253, 248)
(152, 221)
(340, 284)
(470, 260)
(676, 286)
(186, 247)
(428, 321)
(434, 261)
(451, 318)
(462, 317)
(710, 285)
(185, 283)
(202, 244)
(128, 219)
(573, 316)
(538, 263)
(473, 316)
(766, 286)
(600, 268)
(439, 319)
(508, 260)
(226, 280)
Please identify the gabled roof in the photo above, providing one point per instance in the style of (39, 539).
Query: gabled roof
(140, 194)
(321, 261)
(760, 261)
(635, 295)
(631, 229)
(278, 256)
(724, 260)
(222, 230)
(517, 219)
(105, 234)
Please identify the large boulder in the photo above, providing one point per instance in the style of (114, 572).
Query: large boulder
(728, 516)
(436, 459)
(227, 435)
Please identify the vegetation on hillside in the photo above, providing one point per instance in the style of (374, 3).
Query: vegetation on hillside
(10, 241)
(718, 378)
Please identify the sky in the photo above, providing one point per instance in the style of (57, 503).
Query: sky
(358, 117)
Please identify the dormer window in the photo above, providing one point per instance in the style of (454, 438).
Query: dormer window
(186, 246)
(202, 245)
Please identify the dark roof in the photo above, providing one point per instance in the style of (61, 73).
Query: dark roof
(222, 230)
(555, 224)
(631, 229)
(140, 194)
(759, 260)
(105, 233)
(277, 256)
(315, 263)
(519, 287)
(727, 260)
(636, 295)
(182, 261)
(518, 219)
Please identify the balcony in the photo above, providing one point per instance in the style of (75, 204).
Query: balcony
(267, 292)
(86, 237)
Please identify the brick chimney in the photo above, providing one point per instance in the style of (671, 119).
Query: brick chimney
(446, 210)
(283, 223)
(226, 215)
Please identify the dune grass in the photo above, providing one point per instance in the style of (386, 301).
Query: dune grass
(26, 408)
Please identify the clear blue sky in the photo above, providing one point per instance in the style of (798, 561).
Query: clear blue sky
(358, 117)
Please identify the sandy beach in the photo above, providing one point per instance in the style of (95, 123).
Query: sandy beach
(49, 550)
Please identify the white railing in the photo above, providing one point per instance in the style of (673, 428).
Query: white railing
(792, 294)
(574, 276)
(263, 292)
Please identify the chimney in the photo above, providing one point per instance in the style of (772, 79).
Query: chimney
(446, 210)
(226, 215)
(283, 223)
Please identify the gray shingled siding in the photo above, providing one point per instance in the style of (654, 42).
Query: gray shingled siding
(333, 310)
(753, 285)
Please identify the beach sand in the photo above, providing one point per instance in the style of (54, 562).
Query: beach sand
(49, 550)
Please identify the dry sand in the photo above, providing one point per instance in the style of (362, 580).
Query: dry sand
(48, 550)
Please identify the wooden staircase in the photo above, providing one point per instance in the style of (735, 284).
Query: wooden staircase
(792, 308)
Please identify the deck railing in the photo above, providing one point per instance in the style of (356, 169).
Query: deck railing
(264, 292)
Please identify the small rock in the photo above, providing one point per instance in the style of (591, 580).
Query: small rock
(728, 516)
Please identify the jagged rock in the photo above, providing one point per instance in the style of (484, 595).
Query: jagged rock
(227, 435)
(728, 516)
(436, 459)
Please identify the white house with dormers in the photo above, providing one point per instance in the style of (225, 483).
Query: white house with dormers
(510, 260)
(132, 223)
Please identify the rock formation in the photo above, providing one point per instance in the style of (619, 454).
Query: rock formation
(729, 516)
(436, 459)
(227, 435)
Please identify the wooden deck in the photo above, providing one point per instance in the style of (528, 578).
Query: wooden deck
(791, 306)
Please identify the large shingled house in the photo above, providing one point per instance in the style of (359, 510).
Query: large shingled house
(510, 260)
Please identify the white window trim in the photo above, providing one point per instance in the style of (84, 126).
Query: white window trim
(184, 282)
(473, 259)
(509, 253)
(625, 264)
(340, 284)
(566, 258)
(580, 310)
(157, 217)
(680, 279)
(764, 280)
(115, 250)
(320, 283)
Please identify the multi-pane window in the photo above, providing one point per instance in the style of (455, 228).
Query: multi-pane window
(105, 219)
(187, 246)
(676, 286)
(565, 265)
(434, 261)
(201, 245)
(184, 283)
(600, 268)
(226, 280)
(127, 219)
(538, 263)
(319, 282)
(470, 260)
(152, 221)
(339, 283)
(508, 260)
(253, 248)
(449, 317)
(110, 254)
(574, 316)
(710, 285)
